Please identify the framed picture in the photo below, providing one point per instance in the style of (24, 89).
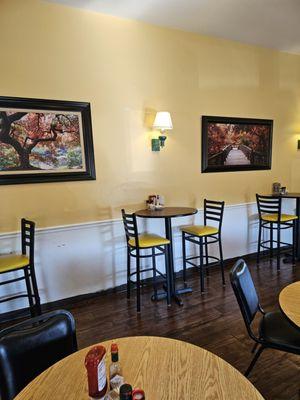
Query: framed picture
(236, 144)
(45, 141)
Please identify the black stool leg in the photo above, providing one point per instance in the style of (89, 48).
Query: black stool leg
(258, 243)
(184, 257)
(221, 260)
(294, 242)
(138, 282)
(29, 291)
(154, 272)
(35, 291)
(255, 358)
(278, 247)
(201, 265)
(128, 273)
(206, 256)
(254, 348)
(271, 240)
(168, 275)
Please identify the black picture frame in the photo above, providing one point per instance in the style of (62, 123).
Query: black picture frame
(217, 162)
(32, 105)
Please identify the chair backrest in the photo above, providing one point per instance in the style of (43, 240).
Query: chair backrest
(27, 238)
(268, 205)
(30, 347)
(245, 292)
(214, 211)
(130, 226)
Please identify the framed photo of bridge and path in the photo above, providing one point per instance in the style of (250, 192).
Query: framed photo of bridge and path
(236, 144)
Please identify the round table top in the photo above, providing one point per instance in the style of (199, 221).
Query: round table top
(289, 301)
(164, 368)
(166, 212)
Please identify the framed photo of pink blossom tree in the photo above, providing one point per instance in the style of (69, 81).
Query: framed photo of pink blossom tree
(236, 144)
(45, 141)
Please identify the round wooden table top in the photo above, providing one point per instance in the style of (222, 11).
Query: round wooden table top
(165, 369)
(166, 212)
(289, 301)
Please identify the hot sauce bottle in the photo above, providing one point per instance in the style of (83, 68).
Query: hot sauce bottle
(115, 374)
(96, 372)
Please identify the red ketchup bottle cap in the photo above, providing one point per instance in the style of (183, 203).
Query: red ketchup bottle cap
(138, 394)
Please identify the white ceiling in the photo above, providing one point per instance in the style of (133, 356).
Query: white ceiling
(267, 23)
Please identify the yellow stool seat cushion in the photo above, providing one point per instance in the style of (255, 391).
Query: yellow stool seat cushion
(9, 262)
(274, 217)
(149, 240)
(200, 230)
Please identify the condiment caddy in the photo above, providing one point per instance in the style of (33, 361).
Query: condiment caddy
(155, 202)
(97, 378)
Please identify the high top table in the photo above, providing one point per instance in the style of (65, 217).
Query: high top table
(164, 368)
(167, 213)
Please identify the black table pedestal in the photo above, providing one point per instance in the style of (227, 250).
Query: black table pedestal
(170, 271)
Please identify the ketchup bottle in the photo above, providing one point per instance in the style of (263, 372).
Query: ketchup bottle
(96, 372)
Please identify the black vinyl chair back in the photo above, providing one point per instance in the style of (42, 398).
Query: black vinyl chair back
(130, 226)
(214, 211)
(32, 346)
(27, 238)
(268, 205)
(245, 292)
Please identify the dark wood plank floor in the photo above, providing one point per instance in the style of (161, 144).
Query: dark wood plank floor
(212, 321)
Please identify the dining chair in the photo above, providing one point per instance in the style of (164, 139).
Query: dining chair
(203, 236)
(273, 220)
(274, 331)
(11, 263)
(138, 247)
(30, 347)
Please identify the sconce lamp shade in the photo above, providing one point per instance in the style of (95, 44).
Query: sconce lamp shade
(163, 121)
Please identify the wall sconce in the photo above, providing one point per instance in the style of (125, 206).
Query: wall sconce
(162, 122)
(298, 144)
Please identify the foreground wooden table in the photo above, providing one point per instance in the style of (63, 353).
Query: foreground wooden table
(289, 301)
(164, 368)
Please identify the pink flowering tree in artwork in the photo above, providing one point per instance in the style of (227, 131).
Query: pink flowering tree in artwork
(23, 131)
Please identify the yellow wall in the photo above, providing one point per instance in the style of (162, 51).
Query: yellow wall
(128, 70)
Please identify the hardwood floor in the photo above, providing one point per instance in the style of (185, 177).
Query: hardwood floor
(212, 321)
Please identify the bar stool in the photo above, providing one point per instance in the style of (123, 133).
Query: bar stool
(204, 235)
(272, 219)
(25, 262)
(135, 245)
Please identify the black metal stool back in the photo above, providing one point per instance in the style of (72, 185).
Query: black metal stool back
(130, 226)
(29, 348)
(214, 211)
(27, 238)
(268, 205)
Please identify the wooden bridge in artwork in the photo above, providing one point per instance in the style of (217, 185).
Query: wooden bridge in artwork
(236, 155)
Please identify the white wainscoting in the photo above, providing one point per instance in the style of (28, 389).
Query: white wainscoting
(90, 257)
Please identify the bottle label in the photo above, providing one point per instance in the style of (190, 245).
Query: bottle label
(116, 382)
(101, 375)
